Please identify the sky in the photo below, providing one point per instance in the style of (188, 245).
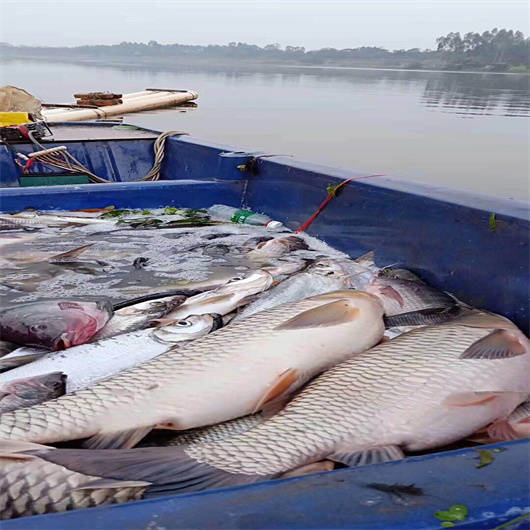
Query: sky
(392, 24)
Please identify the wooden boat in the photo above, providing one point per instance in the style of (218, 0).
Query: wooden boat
(472, 245)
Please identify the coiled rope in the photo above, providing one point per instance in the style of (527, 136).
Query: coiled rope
(66, 161)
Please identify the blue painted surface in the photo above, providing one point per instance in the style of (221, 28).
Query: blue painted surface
(444, 235)
(494, 495)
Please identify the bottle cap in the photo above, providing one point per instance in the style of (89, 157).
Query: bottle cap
(273, 225)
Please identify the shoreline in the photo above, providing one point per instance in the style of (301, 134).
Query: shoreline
(242, 65)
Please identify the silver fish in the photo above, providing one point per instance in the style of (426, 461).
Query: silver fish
(138, 316)
(29, 391)
(222, 300)
(320, 278)
(47, 219)
(400, 295)
(233, 372)
(274, 248)
(425, 389)
(89, 363)
(30, 485)
(16, 239)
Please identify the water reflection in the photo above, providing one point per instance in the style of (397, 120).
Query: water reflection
(450, 129)
(478, 95)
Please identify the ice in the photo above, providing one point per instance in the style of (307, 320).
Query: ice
(175, 257)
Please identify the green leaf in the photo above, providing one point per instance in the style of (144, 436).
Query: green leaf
(493, 222)
(331, 189)
(456, 512)
(171, 210)
(447, 524)
(146, 212)
(486, 457)
(460, 511)
(444, 515)
(115, 213)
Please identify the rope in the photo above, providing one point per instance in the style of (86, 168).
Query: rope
(330, 196)
(160, 142)
(66, 161)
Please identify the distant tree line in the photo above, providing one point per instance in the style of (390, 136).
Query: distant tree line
(493, 47)
(498, 50)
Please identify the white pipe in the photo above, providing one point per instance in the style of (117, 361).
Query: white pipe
(157, 100)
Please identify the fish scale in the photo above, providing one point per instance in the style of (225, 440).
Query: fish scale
(84, 413)
(32, 486)
(340, 406)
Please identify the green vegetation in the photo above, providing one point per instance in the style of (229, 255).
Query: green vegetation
(498, 50)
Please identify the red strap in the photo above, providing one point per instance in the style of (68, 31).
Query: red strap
(329, 197)
(29, 163)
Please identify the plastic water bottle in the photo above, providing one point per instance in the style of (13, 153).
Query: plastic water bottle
(239, 216)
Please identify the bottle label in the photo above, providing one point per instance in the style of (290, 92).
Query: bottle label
(240, 216)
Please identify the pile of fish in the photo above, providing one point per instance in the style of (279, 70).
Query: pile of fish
(223, 355)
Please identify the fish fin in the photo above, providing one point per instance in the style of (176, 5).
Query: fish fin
(471, 399)
(279, 387)
(42, 386)
(390, 292)
(16, 456)
(332, 314)
(315, 467)
(108, 483)
(367, 260)
(70, 253)
(17, 446)
(270, 409)
(372, 455)
(502, 431)
(168, 469)
(480, 318)
(117, 440)
(422, 317)
(500, 344)
(247, 300)
(13, 362)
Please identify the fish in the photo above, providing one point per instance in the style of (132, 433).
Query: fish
(235, 371)
(89, 363)
(54, 324)
(16, 239)
(30, 485)
(61, 257)
(317, 279)
(210, 433)
(274, 248)
(28, 391)
(7, 347)
(514, 426)
(424, 389)
(138, 316)
(400, 293)
(33, 218)
(222, 300)
(13, 361)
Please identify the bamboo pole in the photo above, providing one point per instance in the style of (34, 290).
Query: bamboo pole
(150, 101)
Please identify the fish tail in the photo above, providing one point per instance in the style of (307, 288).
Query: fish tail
(169, 470)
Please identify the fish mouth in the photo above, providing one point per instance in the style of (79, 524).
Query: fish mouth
(217, 322)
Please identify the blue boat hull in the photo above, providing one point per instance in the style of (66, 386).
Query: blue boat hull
(474, 246)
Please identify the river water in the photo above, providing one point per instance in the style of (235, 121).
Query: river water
(462, 130)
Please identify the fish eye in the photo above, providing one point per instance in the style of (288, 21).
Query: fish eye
(236, 279)
(183, 323)
(39, 327)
